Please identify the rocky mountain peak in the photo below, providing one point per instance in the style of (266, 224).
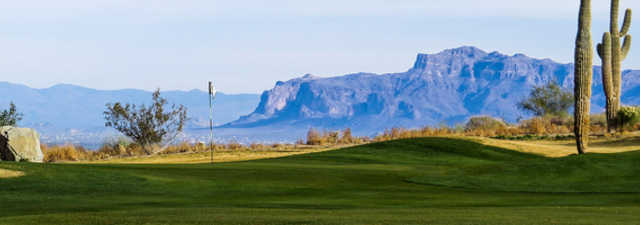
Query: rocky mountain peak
(308, 76)
(446, 87)
(450, 57)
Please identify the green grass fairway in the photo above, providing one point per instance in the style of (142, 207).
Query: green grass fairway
(418, 181)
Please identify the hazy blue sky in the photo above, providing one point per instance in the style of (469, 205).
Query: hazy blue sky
(246, 46)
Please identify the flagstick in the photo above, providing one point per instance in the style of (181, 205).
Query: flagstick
(211, 119)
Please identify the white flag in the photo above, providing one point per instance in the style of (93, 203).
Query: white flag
(212, 90)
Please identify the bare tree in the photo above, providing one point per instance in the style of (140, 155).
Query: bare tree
(147, 126)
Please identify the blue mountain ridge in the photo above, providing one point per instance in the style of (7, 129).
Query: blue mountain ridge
(447, 87)
(65, 111)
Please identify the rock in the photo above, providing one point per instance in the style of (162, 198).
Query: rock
(17, 144)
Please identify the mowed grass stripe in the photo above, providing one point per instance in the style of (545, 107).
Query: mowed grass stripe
(251, 216)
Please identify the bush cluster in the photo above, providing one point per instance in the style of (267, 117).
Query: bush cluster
(402, 133)
(537, 128)
(345, 137)
(65, 153)
(629, 117)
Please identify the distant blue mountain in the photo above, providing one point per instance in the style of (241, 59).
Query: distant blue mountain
(65, 109)
(447, 87)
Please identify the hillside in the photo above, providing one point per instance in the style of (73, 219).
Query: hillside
(418, 181)
(447, 87)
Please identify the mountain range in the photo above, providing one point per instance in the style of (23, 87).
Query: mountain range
(69, 113)
(443, 88)
(447, 87)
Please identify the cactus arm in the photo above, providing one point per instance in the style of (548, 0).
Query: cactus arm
(626, 47)
(627, 23)
(600, 51)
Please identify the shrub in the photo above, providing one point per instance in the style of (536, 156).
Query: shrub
(183, 147)
(395, 133)
(347, 138)
(278, 146)
(484, 123)
(147, 126)
(201, 146)
(537, 126)
(629, 116)
(65, 153)
(314, 137)
(331, 137)
(235, 146)
(256, 146)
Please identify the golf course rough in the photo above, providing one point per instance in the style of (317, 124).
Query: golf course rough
(4, 173)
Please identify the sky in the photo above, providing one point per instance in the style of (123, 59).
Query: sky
(246, 46)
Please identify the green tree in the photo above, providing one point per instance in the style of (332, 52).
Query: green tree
(548, 100)
(147, 126)
(10, 117)
(629, 117)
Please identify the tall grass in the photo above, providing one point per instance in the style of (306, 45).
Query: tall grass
(492, 127)
(65, 153)
(70, 153)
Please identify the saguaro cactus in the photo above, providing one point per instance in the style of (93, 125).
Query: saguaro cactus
(583, 76)
(612, 54)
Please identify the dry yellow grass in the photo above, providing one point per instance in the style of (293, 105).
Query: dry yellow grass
(4, 173)
(219, 156)
(630, 142)
(564, 148)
